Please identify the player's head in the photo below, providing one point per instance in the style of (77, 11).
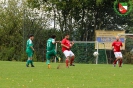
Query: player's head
(67, 36)
(117, 38)
(31, 37)
(53, 36)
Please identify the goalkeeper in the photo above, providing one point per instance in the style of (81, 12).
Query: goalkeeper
(51, 49)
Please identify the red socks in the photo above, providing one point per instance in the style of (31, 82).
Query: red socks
(120, 63)
(67, 61)
(115, 61)
(71, 61)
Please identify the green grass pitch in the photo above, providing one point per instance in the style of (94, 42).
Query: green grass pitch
(17, 75)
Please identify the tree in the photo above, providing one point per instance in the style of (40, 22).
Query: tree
(82, 17)
(11, 19)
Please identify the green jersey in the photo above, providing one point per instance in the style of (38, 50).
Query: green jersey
(50, 45)
(28, 46)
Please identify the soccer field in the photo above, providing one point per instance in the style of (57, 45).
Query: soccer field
(17, 75)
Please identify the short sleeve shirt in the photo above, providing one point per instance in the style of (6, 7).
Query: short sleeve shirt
(50, 45)
(117, 45)
(66, 43)
(28, 45)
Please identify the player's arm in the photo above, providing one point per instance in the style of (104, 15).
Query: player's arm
(53, 41)
(64, 46)
(122, 46)
(32, 48)
(57, 41)
(113, 46)
(72, 43)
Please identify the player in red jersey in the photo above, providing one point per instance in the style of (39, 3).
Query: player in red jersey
(117, 45)
(66, 46)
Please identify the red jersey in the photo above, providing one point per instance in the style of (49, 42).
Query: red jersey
(117, 45)
(66, 43)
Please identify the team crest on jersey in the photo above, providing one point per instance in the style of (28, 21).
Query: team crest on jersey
(123, 8)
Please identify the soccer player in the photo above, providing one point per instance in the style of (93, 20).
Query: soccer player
(66, 46)
(51, 49)
(117, 45)
(30, 50)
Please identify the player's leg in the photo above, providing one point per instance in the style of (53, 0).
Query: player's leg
(49, 54)
(30, 56)
(72, 57)
(48, 59)
(28, 61)
(54, 53)
(67, 55)
(67, 61)
(120, 63)
(120, 56)
(31, 62)
(117, 58)
(72, 61)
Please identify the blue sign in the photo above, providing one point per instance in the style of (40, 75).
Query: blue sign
(108, 39)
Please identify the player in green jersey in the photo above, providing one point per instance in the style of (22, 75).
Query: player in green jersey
(51, 43)
(29, 51)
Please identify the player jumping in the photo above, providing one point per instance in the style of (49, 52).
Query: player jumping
(51, 49)
(116, 45)
(66, 46)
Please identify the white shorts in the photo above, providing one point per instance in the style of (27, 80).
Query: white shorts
(118, 54)
(68, 53)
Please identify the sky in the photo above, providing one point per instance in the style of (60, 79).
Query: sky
(3, 0)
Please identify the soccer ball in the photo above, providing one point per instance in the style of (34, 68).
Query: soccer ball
(95, 54)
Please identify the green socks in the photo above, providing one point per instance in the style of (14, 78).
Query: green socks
(29, 62)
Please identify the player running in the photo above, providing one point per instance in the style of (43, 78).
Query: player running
(116, 45)
(51, 49)
(66, 46)
(29, 51)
